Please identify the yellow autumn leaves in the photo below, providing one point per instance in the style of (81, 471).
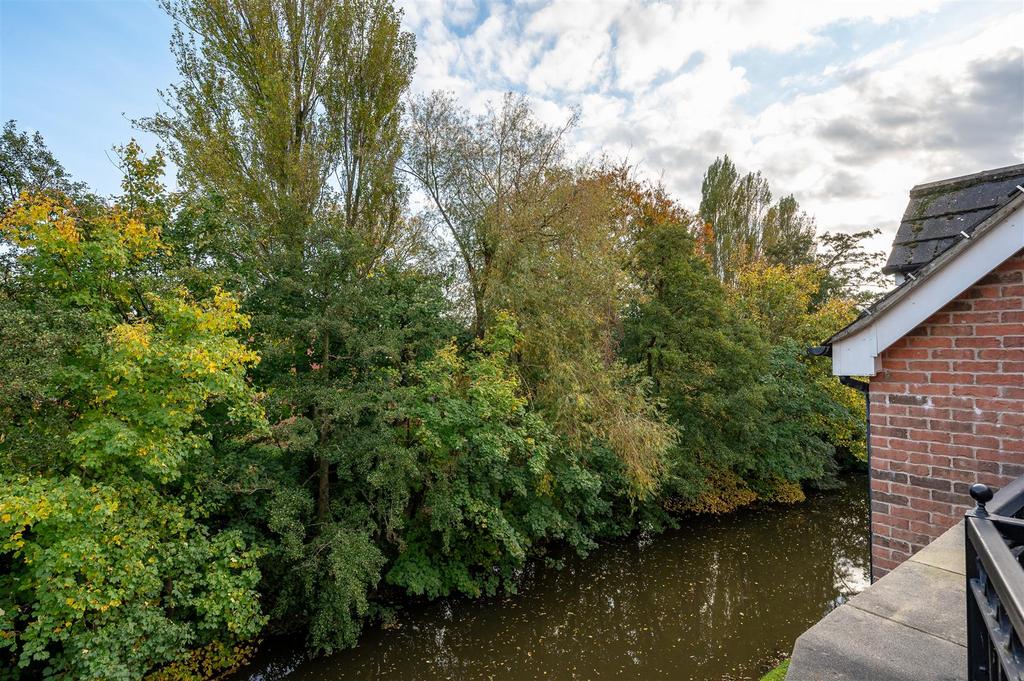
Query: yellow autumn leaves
(38, 221)
(49, 225)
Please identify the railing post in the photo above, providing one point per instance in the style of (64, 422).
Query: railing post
(981, 495)
(978, 642)
(994, 576)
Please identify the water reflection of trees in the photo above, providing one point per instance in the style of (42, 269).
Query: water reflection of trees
(711, 599)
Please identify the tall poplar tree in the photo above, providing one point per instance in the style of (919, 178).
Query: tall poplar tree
(286, 119)
(742, 225)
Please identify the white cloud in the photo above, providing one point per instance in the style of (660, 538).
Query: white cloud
(578, 60)
(661, 83)
(558, 16)
(852, 152)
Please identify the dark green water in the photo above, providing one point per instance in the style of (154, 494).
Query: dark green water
(712, 600)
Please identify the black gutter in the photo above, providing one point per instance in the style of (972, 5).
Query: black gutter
(820, 351)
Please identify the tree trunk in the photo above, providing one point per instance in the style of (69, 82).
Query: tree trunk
(323, 497)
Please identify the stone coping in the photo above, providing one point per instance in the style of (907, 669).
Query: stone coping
(910, 624)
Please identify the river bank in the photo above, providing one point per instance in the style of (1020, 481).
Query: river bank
(711, 600)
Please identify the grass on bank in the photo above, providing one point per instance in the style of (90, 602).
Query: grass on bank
(777, 674)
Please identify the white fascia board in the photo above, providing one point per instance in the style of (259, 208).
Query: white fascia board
(858, 354)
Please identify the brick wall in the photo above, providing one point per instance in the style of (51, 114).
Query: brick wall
(947, 410)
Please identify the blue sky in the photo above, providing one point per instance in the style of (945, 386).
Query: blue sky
(79, 71)
(845, 104)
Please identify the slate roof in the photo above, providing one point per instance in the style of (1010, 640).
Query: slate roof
(939, 211)
(1010, 204)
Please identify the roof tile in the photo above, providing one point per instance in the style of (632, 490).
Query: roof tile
(939, 211)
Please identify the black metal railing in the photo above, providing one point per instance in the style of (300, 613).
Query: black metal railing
(994, 532)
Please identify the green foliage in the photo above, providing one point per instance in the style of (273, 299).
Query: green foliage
(26, 165)
(701, 359)
(154, 382)
(778, 673)
(338, 408)
(744, 226)
(754, 416)
(108, 570)
(784, 304)
(494, 481)
(260, 129)
(543, 239)
(108, 579)
(275, 99)
(275, 401)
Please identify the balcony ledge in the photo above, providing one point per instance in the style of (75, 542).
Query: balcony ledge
(908, 625)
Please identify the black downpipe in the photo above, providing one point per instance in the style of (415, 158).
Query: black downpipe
(871, 493)
(865, 387)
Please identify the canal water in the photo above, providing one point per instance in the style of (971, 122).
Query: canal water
(712, 601)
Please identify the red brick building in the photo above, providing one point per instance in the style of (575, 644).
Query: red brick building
(944, 355)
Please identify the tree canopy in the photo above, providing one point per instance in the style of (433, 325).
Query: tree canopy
(287, 398)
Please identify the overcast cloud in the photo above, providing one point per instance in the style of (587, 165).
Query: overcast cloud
(847, 105)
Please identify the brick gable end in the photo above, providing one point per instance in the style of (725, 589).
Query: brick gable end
(947, 410)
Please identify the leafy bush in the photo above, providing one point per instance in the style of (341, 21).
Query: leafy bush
(109, 570)
(494, 481)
